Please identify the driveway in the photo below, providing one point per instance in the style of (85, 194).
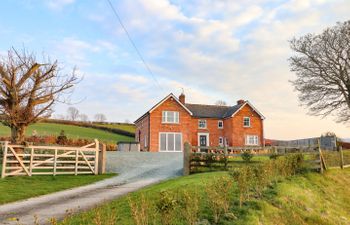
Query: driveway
(136, 170)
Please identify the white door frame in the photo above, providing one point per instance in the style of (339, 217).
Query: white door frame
(206, 134)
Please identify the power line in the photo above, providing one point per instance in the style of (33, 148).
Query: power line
(134, 45)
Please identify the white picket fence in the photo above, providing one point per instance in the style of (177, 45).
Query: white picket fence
(52, 160)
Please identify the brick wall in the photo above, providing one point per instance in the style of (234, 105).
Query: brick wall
(142, 132)
(238, 132)
(157, 126)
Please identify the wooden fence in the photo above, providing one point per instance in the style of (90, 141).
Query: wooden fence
(52, 160)
(198, 158)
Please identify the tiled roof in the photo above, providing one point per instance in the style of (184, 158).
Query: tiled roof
(212, 111)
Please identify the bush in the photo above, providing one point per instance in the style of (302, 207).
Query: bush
(142, 213)
(62, 138)
(189, 202)
(219, 197)
(255, 179)
(247, 156)
(167, 205)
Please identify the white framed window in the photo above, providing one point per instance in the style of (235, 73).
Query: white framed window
(202, 124)
(170, 142)
(170, 117)
(221, 141)
(220, 124)
(246, 121)
(252, 140)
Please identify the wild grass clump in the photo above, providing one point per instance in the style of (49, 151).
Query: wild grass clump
(253, 180)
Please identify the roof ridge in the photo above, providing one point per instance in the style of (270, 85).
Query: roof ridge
(224, 106)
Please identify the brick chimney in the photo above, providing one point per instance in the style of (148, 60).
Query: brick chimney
(240, 102)
(182, 98)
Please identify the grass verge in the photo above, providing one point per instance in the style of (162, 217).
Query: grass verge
(18, 188)
(71, 131)
(310, 198)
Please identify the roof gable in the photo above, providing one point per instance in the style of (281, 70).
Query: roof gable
(166, 98)
(251, 106)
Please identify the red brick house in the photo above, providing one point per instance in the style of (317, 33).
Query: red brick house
(172, 122)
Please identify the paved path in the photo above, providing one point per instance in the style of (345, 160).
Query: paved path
(136, 170)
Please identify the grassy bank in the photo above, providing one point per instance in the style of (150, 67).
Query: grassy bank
(71, 131)
(18, 188)
(310, 198)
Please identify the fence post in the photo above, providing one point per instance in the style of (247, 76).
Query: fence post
(102, 159)
(225, 155)
(76, 162)
(187, 152)
(341, 157)
(4, 159)
(97, 143)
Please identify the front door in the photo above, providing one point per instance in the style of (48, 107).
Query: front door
(203, 142)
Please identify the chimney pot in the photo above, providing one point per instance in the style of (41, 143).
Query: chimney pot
(182, 98)
(240, 102)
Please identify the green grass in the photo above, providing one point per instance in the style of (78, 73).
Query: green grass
(18, 188)
(126, 127)
(71, 131)
(310, 198)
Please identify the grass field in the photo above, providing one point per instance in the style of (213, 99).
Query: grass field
(71, 131)
(310, 198)
(126, 127)
(17, 188)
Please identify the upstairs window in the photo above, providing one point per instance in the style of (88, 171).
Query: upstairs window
(220, 124)
(202, 124)
(170, 117)
(246, 122)
(252, 140)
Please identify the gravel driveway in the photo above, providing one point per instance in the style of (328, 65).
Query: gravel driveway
(136, 170)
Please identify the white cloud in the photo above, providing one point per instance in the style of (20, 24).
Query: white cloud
(58, 4)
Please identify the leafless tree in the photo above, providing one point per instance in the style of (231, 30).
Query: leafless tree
(220, 102)
(84, 117)
(72, 113)
(322, 67)
(100, 117)
(29, 90)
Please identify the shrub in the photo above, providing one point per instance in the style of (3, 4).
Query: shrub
(167, 205)
(62, 138)
(219, 197)
(247, 156)
(142, 213)
(189, 206)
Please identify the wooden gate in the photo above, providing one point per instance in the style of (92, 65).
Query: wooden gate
(50, 160)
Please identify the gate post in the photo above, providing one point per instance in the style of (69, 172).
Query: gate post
(4, 158)
(187, 152)
(102, 159)
(341, 157)
(97, 144)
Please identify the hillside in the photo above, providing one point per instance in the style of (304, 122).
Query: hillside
(310, 198)
(71, 131)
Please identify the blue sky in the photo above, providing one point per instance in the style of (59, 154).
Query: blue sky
(218, 49)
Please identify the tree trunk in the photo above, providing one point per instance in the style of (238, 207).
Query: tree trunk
(17, 137)
(17, 134)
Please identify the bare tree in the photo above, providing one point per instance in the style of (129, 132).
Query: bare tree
(322, 67)
(29, 90)
(220, 102)
(72, 113)
(84, 117)
(100, 117)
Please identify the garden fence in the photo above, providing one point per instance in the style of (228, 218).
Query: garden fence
(52, 160)
(202, 159)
